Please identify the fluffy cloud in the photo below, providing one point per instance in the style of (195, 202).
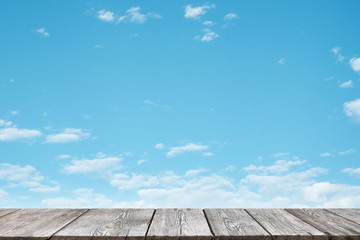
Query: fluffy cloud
(86, 197)
(133, 15)
(209, 23)
(209, 36)
(42, 32)
(347, 152)
(190, 147)
(196, 12)
(159, 146)
(101, 164)
(347, 84)
(355, 64)
(352, 171)
(282, 61)
(68, 135)
(326, 154)
(336, 51)
(10, 132)
(230, 16)
(352, 109)
(262, 186)
(25, 176)
(106, 16)
(150, 104)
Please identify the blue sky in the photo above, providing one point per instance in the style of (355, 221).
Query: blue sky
(179, 104)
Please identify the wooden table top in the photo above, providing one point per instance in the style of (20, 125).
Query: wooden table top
(180, 223)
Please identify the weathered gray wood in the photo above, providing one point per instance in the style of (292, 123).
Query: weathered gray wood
(352, 214)
(6, 211)
(36, 223)
(234, 224)
(179, 224)
(329, 223)
(285, 226)
(108, 224)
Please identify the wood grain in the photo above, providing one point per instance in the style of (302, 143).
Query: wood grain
(285, 226)
(337, 227)
(108, 224)
(36, 223)
(179, 224)
(234, 224)
(6, 211)
(352, 214)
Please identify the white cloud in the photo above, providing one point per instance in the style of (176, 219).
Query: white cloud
(196, 12)
(14, 112)
(208, 36)
(159, 146)
(207, 154)
(352, 109)
(281, 154)
(45, 189)
(106, 16)
(347, 84)
(347, 152)
(63, 156)
(326, 154)
(282, 61)
(196, 187)
(86, 197)
(133, 15)
(151, 104)
(124, 181)
(209, 23)
(230, 16)
(101, 164)
(355, 64)
(190, 147)
(42, 32)
(141, 161)
(352, 171)
(12, 80)
(278, 167)
(10, 132)
(25, 176)
(336, 51)
(68, 135)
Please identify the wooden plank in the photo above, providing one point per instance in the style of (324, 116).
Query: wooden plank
(283, 225)
(6, 211)
(352, 214)
(179, 224)
(337, 227)
(36, 223)
(108, 224)
(234, 224)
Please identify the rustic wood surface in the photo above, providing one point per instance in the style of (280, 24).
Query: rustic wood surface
(36, 223)
(283, 225)
(194, 224)
(232, 223)
(352, 214)
(107, 224)
(6, 211)
(179, 223)
(333, 225)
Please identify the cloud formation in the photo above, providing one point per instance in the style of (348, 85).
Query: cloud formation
(10, 132)
(133, 15)
(68, 135)
(190, 147)
(196, 12)
(355, 64)
(42, 32)
(105, 15)
(101, 165)
(352, 109)
(230, 16)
